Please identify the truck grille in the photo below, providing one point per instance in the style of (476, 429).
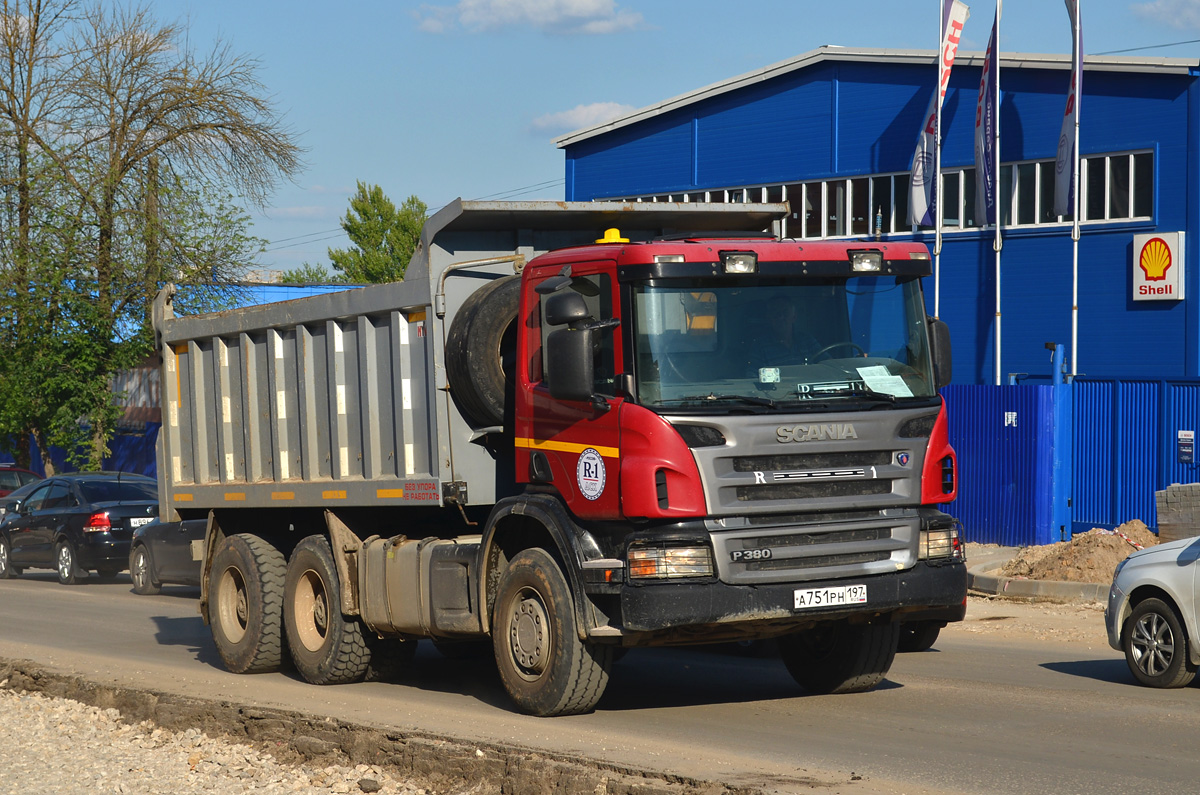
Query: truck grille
(822, 562)
(871, 543)
(821, 489)
(777, 463)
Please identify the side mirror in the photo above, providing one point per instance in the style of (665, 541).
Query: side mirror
(939, 342)
(570, 363)
(565, 307)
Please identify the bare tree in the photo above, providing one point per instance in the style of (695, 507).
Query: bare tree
(140, 130)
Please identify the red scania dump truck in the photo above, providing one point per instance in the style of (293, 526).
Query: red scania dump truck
(574, 428)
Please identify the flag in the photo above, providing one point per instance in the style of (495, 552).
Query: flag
(1064, 167)
(987, 120)
(923, 185)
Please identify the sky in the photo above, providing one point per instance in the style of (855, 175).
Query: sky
(447, 100)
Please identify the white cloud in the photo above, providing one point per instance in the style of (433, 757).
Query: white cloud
(580, 116)
(1181, 14)
(548, 16)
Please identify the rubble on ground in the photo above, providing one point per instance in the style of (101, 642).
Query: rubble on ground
(1088, 557)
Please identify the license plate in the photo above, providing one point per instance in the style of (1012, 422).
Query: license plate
(138, 521)
(831, 597)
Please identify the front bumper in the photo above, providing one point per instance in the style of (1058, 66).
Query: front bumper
(924, 592)
(1114, 612)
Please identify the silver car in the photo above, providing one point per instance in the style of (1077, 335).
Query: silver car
(1151, 613)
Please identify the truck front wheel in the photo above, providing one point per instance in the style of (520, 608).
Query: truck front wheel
(327, 647)
(544, 666)
(840, 657)
(245, 594)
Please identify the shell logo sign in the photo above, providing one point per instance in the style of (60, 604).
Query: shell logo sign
(1158, 267)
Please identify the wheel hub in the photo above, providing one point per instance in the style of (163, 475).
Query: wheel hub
(527, 635)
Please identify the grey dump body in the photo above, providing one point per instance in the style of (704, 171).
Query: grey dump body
(341, 400)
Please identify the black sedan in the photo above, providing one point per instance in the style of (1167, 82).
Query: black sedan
(77, 523)
(166, 552)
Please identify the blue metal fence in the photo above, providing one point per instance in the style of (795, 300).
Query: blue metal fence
(1001, 436)
(1127, 447)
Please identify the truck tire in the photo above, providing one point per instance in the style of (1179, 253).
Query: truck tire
(919, 635)
(481, 350)
(544, 666)
(840, 657)
(245, 604)
(327, 647)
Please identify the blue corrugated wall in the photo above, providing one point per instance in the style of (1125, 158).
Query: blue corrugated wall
(1001, 437)
(1126, 447)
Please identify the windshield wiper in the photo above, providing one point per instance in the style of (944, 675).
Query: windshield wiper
(712, 396)
(855, 391)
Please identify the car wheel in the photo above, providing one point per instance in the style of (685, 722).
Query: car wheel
(840, 657)
(245, 604)
(1156, 646)
(919, 635)
(327, 647)
(6, 569)
(544, 666)
(141, 574)
(66, 564)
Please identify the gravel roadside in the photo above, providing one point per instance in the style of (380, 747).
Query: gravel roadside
(56, 745)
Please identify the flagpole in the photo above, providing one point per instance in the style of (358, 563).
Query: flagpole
(1076, 44)
(937, 170)
(998, 243)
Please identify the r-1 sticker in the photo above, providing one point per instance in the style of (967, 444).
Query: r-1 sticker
(590, 474)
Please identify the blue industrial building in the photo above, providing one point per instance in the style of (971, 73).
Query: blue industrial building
(832, 132)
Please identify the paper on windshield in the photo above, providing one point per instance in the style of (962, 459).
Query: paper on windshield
(878, 379)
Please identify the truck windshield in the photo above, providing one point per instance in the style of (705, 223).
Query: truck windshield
(769, 342)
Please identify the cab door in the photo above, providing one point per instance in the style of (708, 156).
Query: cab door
(574, 445)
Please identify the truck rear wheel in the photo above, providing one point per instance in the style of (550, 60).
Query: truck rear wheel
(481, 350)
(245, 596)
(544, 666)
(840, 657)
(327, 647)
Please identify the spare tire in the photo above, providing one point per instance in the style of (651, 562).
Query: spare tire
(481, 350)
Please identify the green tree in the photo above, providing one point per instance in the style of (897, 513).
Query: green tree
(123, 145)
(310, 274)
(383, 235)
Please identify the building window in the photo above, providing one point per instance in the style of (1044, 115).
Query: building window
(860, 206)
(1116, 187)
(1143, 185)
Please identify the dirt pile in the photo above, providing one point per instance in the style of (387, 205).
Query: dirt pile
(1088, 557)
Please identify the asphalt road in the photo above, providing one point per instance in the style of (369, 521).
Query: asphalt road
(997, 712)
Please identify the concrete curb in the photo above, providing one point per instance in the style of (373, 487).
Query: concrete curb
(981, 577)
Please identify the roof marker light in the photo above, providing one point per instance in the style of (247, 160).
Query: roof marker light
(613, 235)
(866, 261)
(739, 261)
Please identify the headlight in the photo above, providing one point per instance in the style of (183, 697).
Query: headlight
(935, 544)
(670, 562)
(739, 261)
(866, 261)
